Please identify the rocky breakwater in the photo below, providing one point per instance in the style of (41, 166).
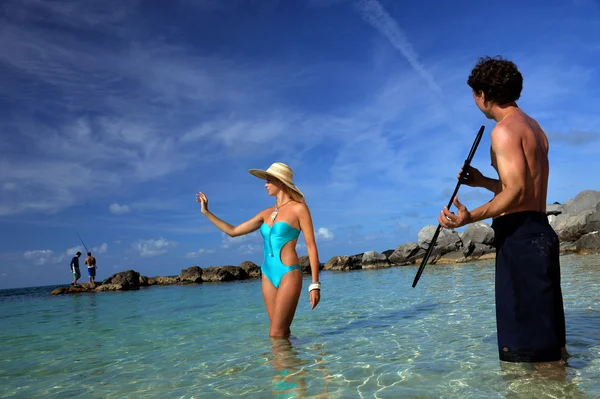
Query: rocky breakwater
(576, 222)
(132, 280)
(475, 243)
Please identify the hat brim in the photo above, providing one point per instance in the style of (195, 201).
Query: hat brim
(263, 174)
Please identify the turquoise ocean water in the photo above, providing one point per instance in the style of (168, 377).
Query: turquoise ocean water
(372, 336)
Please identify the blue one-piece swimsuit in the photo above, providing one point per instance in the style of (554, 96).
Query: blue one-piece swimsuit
(275, 238)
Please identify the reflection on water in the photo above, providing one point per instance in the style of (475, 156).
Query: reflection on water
(553, 379)
(289, 380)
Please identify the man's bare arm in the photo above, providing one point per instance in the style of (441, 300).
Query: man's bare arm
(491, 184)
(512, 170)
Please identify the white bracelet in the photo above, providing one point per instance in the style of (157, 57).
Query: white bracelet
(314, 286)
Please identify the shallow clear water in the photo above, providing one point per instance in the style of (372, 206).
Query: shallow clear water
(371, 336)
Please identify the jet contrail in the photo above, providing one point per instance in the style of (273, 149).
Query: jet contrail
(380, 19)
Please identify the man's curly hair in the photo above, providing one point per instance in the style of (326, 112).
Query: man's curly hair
(497, 78)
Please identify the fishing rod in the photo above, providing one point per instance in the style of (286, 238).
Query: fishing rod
(86, 250)
(439, 228)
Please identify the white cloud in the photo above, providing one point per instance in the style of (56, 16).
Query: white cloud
(199, 253)
(148, 248)
(119, 209)
(237, 242)
(43, 256)
(100, 249)
(248, 249)
(324, 234)
(74, 250)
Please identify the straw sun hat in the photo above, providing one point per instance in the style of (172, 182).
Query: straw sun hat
(281, 172)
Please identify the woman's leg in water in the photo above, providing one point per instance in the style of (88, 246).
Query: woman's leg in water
(269, 293)
(286, 301)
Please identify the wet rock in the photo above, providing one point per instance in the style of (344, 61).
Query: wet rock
(191, 275)
(344, 263)
(374, 260)
(305, 265)
(588, 244)
(403, 253)
(109, 287)
(251, 269)
(163, 280)
(128, 279)
(417, 257)
(223, 273)
(450, 258)
(476, 250)
(567, 247)
(70, 290)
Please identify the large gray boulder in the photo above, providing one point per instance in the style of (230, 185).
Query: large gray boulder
(426, 234)
(191, 275)
(571, 228)
(374, 260)
(585, 200)
(554, 220)
(403, 254)
(447, 241)
(478, 233)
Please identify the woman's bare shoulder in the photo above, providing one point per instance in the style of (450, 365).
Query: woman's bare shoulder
(300, 207)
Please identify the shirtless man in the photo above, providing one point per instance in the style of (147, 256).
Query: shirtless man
(90, 261)
(529, 307)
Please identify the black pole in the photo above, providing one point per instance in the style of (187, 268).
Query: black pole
(439, 228)
(86, 250)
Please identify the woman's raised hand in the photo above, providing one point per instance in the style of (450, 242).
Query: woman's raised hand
(201, 198)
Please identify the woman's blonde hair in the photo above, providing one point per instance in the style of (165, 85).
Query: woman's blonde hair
(292, 193)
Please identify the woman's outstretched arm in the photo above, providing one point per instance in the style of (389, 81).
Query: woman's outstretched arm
(246, 227)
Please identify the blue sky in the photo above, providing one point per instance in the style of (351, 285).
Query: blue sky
(114, 115)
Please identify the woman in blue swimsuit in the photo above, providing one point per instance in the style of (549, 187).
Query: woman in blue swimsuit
(280, 227)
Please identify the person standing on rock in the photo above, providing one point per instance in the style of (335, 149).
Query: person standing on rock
(280, 227)
(75, 269)
(529, 305)
(90, 261)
